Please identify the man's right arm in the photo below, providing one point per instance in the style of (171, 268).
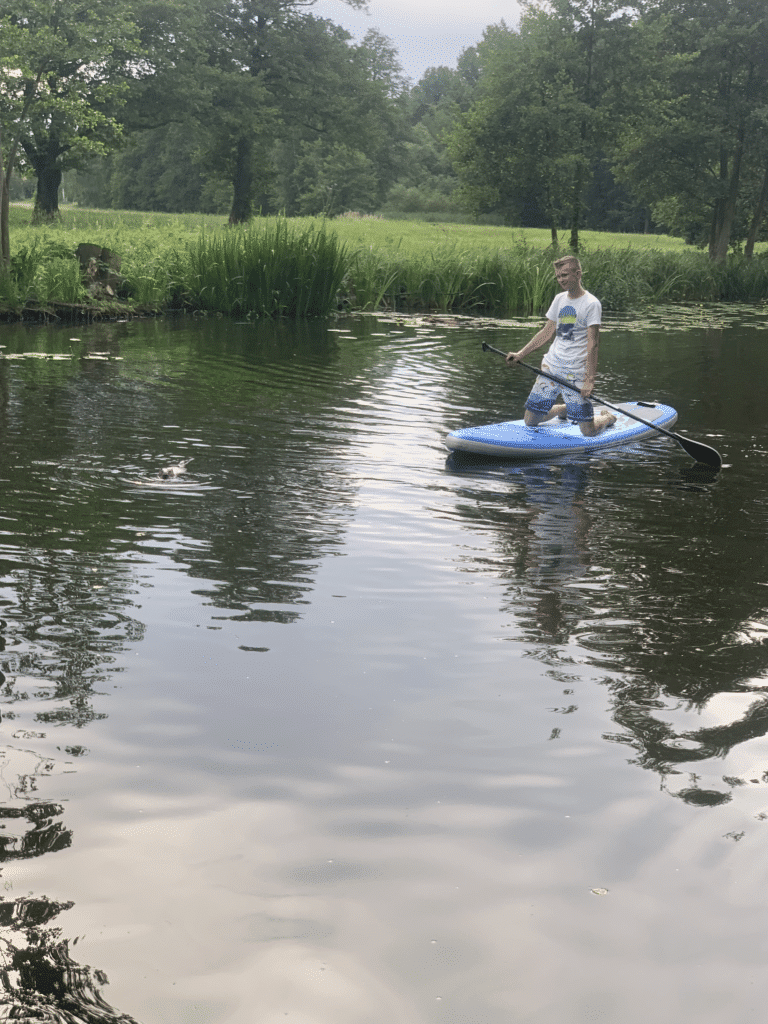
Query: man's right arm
(545, 335)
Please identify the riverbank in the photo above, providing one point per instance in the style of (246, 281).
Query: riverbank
(311, 267)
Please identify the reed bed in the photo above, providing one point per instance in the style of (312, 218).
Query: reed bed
(502, 281)
(274, 270)
(312, 267)
(521, 281)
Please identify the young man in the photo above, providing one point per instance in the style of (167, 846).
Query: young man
(573, 320)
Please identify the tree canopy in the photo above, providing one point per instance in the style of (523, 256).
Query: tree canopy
(696, 146)
(668, 97)
(588, 113)
(62, 79)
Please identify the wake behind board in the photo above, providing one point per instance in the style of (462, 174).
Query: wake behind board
(513, 440)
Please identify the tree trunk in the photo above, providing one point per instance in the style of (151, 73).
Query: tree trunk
(723, 236)
(5, 176)
(714, 226)
(5, 230)
(5, 240)
(718, 210)
(47, 195)
(757, 219)
(242, 182)
(573, 244)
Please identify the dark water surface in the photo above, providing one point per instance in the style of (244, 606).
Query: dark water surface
(335, 730)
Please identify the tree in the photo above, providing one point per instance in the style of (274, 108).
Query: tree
(257, 64)
(547, 97)
(757, 216)
(158, 169)
(426, 180)
(325, 129)
(65, 79)
(696, 146)
(516, 142)
(377, 59)
(20, 76)
(332, 179)
(10, 39)
(343, 123)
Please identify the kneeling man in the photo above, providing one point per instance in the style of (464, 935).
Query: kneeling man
(573, 320)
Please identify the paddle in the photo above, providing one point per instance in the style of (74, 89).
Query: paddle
(698, 451)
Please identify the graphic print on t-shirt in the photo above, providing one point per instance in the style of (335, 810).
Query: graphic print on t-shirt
(566, 321)
(572, 319)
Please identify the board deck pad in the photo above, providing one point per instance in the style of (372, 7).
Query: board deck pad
(515, 440)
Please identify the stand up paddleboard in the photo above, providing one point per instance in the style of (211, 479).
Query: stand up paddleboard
(514, 440)
(498, 438)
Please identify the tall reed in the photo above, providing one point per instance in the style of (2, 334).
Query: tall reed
(266, 269)
(10, 298)
(58, 280)
(517, 280)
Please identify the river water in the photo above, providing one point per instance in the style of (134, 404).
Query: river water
(335, 729)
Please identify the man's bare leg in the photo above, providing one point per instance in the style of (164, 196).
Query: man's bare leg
(558, 410)
(533, 419)
(595, 426)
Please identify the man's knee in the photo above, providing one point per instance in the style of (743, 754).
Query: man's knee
(588, 428)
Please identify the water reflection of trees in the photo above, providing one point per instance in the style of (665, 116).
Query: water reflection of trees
(64, 626)
(39, 978)
(44, 834)
(284, 493)
(656, 611)
(65, 623)
(75, 434)
(274, 496)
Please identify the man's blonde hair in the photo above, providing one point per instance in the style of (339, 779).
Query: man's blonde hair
(564, 260)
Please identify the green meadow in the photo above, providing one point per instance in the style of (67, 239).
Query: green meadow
(316, 267)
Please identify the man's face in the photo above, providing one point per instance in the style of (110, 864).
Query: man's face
(568, 276)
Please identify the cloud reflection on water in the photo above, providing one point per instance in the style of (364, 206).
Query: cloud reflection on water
(376, 732)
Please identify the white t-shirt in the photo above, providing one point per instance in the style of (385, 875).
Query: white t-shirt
(573, 317)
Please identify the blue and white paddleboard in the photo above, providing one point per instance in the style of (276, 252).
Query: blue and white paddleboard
(513, 440)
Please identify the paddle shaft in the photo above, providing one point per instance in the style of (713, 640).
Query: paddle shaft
(698, 451)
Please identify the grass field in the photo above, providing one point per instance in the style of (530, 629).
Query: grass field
(416, 236)
(308, 266)
(110, 226)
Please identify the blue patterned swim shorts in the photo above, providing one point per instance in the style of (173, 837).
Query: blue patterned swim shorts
(545, 393)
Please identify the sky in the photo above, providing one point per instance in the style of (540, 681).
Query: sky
(425, 33)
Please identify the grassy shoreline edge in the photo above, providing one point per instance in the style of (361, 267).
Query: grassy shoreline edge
(309, 267)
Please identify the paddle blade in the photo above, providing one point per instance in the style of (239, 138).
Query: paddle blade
(700, 452)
